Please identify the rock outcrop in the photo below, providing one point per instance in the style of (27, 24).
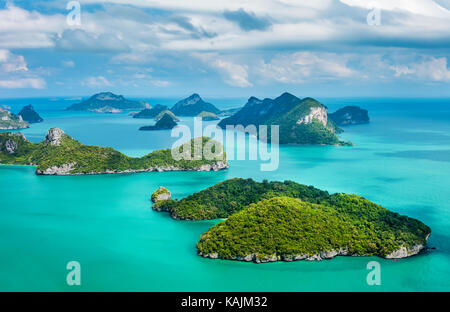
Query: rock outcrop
(161, 194)
(10, 121)
(54, 137)
(318, 113)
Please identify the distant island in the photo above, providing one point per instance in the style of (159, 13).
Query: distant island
(151, 112)
(59, 154)
(229, 112)
(287, 221)
(350, 115)
(10, 121)
(301, 121)
(107, 102)
(192, 106)
(167, 112)
(166, 122)
(29, 114)
(207, 116)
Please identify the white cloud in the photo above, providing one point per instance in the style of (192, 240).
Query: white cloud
(160, 83)
(233, 74)
(34, 83)
(419, 7)
(434, 69)
(305, 66)
(10, 62)
(68, 64)
(20, 28)
(96, 82)
(14, 72)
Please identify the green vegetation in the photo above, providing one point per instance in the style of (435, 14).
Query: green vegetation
(230, 196)
(10, 121)
(151, 112)
(207, 116)
(300, 121)
(192, 106)
(87, 159)
(350, 115)
(166, 112)
(285, 227)
(161, 191)
(288, 219)
(106, 102)
(165, 123)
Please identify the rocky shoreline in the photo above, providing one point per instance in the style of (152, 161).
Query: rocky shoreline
(402, 252)
(67, 168)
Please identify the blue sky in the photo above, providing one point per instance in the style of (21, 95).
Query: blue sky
(171, 48)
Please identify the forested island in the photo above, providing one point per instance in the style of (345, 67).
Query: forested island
(286, 221)
(60, 154)
(166, 122)
(350, 115)
(30, 115)
(107, 102)
(192, 106)
(10, 121)
(300, 121)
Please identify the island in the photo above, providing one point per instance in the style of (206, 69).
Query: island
(151, 112)
(300, 121)
(287, 221)
(60, 154)
(107, 102)
(29, 114)
(350, 115)
(192, 106)
(166, 122)
(161, 194)
(10, 121)
(167, 112)
(207, 116)
(229, 112)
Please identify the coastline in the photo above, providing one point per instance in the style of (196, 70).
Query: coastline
(401, 253)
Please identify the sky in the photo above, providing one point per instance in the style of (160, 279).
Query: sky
(217, 48)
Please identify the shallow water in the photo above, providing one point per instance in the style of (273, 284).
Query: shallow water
(401, 161)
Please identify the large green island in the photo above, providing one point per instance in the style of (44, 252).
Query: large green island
(287, 221)
(300, 121)
(60, 154)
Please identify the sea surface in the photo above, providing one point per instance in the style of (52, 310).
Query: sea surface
(401, 160)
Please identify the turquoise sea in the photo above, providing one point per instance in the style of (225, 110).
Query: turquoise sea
(401, 160)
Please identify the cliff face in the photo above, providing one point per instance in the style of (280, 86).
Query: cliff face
(10, 121)
(54, 137)
(318, 113)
